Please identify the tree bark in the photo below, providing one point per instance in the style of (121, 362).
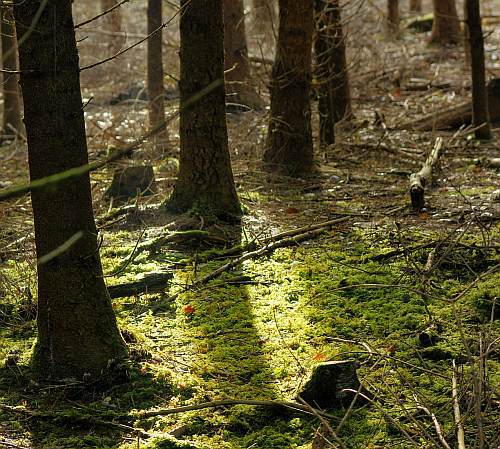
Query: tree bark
(205, 181)
(334, 102)
(239, 90)
(113, 21)
(446, 27)
(156, 91)
(289, 140)
(480, 111)
(12, 122)
(416, 6)
(77, 332)
(392, 17)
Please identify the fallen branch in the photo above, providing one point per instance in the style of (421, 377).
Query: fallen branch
(230, 402)
(419, 180)
(151, 283)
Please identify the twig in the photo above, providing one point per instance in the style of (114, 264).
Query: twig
(456, 409)
(435, 421)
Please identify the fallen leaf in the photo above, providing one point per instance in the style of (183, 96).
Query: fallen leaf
(291, 210)
(319, 357)
(189, 309)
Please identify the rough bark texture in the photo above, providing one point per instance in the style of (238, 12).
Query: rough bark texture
(446, 27)
(334, 102)
(205, 181)
(392, 17)
(113, 22)
(239, 90)
(480, 112)
(12, 123)
(156, 91)
(289, 140)
(77, 331)
(415, 5)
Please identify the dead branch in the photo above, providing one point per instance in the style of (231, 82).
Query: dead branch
(151, 283)
(456, 409)
(230, 402)
(419, 180)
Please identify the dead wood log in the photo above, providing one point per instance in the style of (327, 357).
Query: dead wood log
(153, 282)
(459, 115)
(419, 180)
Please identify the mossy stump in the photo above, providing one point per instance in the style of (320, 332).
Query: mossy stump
(327, 383)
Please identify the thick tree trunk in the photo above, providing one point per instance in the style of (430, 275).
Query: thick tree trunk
(156, 91)
(416, 6)
(113, 21)
(331, 73)
(77, 332)
(289, 140)
(445, 27)
(12, 122)
(239, 90)
(392, 17)
(205, 180)
(480, 112)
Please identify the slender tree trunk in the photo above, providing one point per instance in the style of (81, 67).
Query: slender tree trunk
(289, 139)
(205, 182)
(113, 22)
(77, 332)
(416, 6)
(334, 102)
(12, 122)
(480, 112)
(238, 75)
(446, 26)
(156, 91)
(265, 22)
(392, 17)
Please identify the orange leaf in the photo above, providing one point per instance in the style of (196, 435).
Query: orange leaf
(424, 215)
(319, 357)
(189, 309)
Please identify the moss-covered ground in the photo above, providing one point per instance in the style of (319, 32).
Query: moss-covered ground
(257, 331)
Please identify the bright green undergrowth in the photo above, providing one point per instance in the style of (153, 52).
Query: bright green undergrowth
(325, 300)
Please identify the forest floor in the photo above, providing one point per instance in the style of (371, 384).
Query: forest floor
(406, 295)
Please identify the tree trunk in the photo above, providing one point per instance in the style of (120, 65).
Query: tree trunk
(416, 6)
(264, 22)
(113, 21)
(205, 181)
(334, 102)
(480, 112)
(156, 91)
(77, 332)
(289, 140)
(12, 122)
(238, 77)
(446, 27)
(392, 17)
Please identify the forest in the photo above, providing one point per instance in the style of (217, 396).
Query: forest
(249, 224)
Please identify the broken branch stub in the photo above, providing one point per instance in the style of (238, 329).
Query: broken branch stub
(419, 180)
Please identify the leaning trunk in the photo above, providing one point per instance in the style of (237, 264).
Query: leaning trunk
(480, 113)
(12, 122)
(77, 332)
(289, 140)
(445, 26)
(155, 65)
(205, 181)
(238, 77)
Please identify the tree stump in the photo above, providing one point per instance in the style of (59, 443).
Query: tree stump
(128, 182)
(325, 386)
